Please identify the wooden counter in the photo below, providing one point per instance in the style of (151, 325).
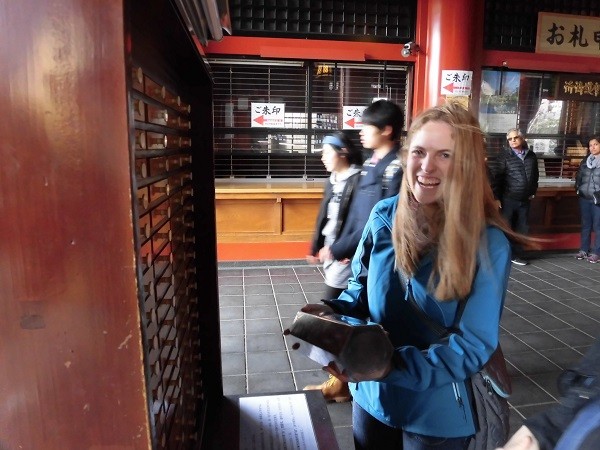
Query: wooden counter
(554, 210)
(279, 213)
(263, 211)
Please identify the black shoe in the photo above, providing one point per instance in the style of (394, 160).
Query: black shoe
(519, 262)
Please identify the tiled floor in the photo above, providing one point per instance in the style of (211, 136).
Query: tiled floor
(551, 317)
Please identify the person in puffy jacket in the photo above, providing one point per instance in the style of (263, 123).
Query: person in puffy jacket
(444, 240)
(587, 181)
(515, 176)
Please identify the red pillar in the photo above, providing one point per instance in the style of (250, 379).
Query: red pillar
(447, 36)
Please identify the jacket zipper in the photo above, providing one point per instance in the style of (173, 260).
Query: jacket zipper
(459, 400)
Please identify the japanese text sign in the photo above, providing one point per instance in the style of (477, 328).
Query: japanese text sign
(270, 115)
(456, 82)
(352, 119)
(567, 34)
(578, 87)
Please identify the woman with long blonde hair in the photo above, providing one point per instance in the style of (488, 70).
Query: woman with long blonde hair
(443, 241)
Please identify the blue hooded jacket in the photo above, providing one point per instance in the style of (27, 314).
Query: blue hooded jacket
(425, 393)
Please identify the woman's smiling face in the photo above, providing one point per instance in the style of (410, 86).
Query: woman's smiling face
(429, 160)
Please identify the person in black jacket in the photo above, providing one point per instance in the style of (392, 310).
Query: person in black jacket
(573, 424)
(380, 178)
(515, 178)
(587, 181)
(343, 160)
(381, 175)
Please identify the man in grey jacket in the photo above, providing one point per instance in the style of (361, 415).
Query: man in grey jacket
(515, 178)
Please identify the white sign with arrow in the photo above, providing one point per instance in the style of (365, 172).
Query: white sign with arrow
(270, 115)
(456, 82)
(352, 119)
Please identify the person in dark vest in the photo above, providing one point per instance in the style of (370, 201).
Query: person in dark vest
(380, 178)
(515, 176)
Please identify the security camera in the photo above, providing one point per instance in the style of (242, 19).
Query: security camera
(409, 48)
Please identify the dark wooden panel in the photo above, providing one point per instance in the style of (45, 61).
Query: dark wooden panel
(173, 171)
(555, 210)
(70, 372)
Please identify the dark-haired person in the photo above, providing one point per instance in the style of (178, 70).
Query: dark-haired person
(587, 181)
(515, 176)
(380, 178)
(343, 161)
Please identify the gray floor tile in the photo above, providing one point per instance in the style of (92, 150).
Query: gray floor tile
(234, 364)
(559, 294)
(578, 320)
(232, 327)
(232, 344)
(297, 298)
(230, 300)
(282, 271)
(269, 362)
(280, 279)
(511, 345)
(257, 289)
(574, 337)
(265, 343)
(257, 280)
(287, 288)
(307, 270)
(540, 340)
(525, 392)
(231, 281)
(517, 324)
(530, 364)
(262, 312)
(551, 318)
(256, 272)
(314, 287)
(270, 383)
(234, 385)
(563, 357)
(530, 410)
(231, 313)
(231, 290)
(260, 299)
(262, 326)
(223, 273)
(288, 311)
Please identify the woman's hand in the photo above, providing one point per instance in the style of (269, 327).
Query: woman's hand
(318, 309)
(523, 439)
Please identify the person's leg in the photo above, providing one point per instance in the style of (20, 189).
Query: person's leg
(521, 225)
(371, 434)
(508, 210)
(412, 441)
(585, 207)
(522, 219)
(595, 256)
